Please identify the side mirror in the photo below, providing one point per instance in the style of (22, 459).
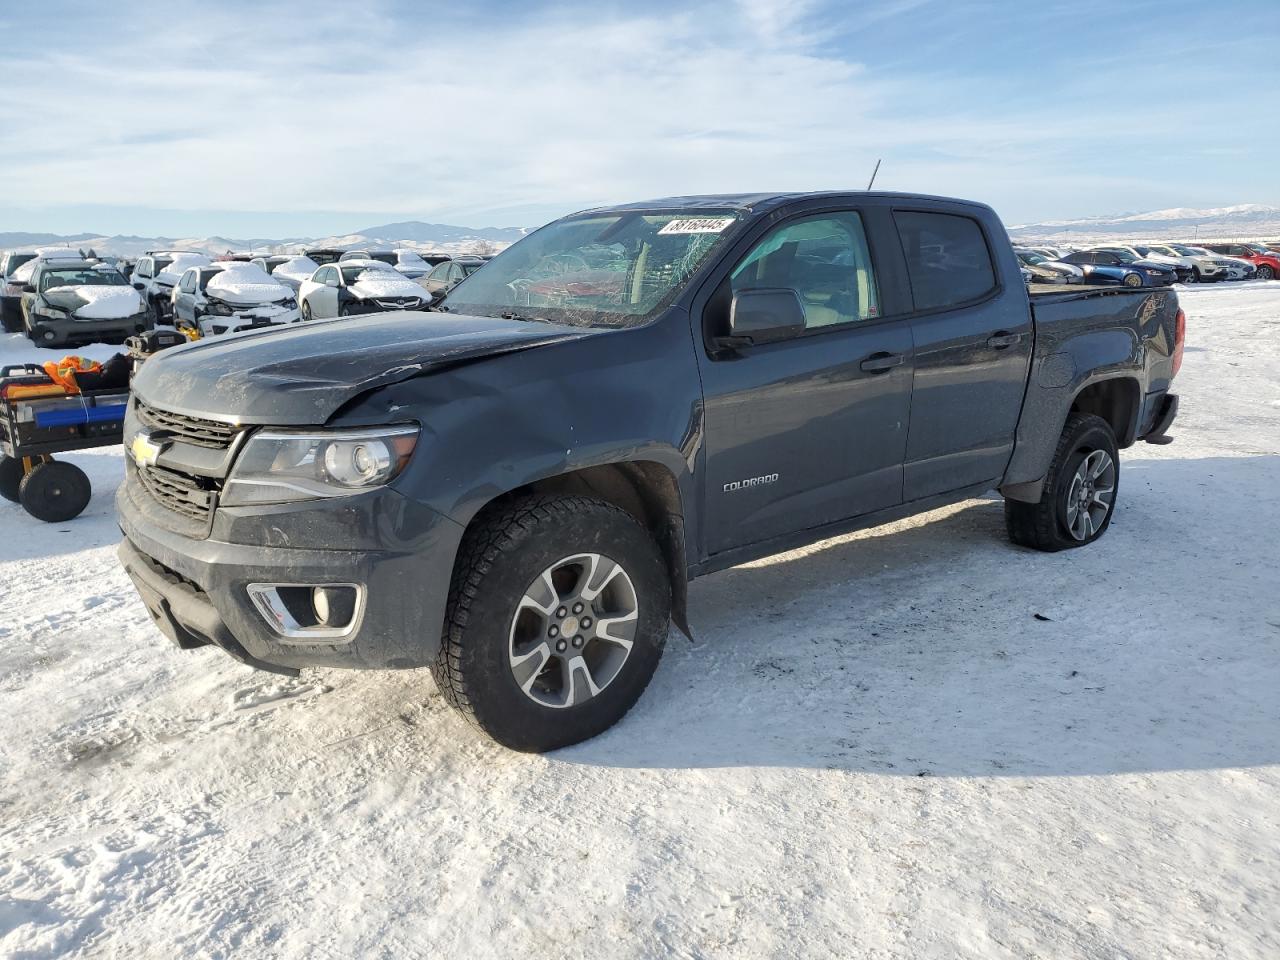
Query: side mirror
(764, 315)
(28, 288)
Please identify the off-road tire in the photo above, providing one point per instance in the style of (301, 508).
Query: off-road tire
(55, 491)
(502, 552)
(1043, 525)
(10, 478)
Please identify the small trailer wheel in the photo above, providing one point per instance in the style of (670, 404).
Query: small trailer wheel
(10, 477)
(55, 491)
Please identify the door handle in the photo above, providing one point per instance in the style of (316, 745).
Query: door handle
(882, 362)
(1001, 340)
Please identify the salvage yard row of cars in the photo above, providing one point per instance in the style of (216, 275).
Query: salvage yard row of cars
(61, 296)
(1150, 264)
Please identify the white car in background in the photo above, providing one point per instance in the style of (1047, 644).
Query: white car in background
(353, 287)
(1235, 268)
(156, 274)
(1202, 268)
(294, 271)
(230, 296)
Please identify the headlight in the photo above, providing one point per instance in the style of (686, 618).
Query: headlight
(218, 308)
(1155, 273)
(289, 304)
(277, 466)
(47, 310)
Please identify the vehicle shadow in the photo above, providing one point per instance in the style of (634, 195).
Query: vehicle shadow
(933, 647)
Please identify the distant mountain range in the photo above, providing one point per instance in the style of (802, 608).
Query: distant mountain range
(409, 233)
(1242, 222)
(1246, 221)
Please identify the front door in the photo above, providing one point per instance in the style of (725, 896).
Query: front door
(812, 429)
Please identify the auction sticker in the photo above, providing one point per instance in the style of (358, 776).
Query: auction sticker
(697, 225)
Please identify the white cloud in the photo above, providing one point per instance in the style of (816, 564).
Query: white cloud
(346, 108)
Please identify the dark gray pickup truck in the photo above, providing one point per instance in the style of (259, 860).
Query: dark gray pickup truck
(516, 489)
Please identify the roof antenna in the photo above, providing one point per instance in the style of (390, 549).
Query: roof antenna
(873, 174)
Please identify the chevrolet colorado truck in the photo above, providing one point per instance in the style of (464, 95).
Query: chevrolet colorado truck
(516, 488)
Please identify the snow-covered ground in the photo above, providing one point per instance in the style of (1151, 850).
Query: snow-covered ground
(916, 741)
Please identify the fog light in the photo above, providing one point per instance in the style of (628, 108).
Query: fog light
(333, 606)
(306, 613)
(49, 334)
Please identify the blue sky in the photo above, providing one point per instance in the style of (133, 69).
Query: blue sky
(278, 120)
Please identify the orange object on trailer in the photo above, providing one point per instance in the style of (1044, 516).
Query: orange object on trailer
(64, 371)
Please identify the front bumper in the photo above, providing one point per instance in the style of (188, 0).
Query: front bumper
(68, 330)
(247, 319)
(196, 590)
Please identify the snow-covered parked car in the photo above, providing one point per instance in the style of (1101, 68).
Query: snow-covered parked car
(411, 264)
(69, 302)
(156, 274)
(358, 286)
(230, 296)
(15, 270)
(294, 271)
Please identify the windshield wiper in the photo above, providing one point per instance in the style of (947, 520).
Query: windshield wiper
(512, 315)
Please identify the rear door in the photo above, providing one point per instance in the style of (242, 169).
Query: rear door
(973, 340)
(812, 429)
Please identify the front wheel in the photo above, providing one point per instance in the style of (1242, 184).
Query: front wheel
(557, 617)
(306, 310)
(1266, 272)
(1079, 493)
(1132, 280)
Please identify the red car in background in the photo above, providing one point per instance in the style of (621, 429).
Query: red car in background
(1267, 261)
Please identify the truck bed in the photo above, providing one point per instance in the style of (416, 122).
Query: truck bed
(1062, 292)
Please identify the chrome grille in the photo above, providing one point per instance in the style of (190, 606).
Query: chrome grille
(193, 430)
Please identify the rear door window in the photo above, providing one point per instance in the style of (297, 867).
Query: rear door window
(948, 260)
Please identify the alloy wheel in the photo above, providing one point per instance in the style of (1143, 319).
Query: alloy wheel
(573, 630)
(1091, 494)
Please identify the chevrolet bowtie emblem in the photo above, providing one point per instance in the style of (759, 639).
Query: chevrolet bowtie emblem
(144, 450)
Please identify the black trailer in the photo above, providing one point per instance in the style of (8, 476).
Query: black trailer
(37, 420)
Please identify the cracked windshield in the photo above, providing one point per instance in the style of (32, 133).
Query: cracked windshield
(605, 269)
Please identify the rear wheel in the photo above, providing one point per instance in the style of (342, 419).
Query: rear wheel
(55, 491)
(1079, 494)
(10, 477)
(556, 620)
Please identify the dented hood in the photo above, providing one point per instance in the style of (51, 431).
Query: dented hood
(302, 373)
